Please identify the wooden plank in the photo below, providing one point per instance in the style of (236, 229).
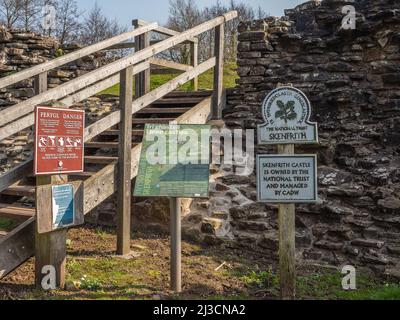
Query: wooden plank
(17, 247)
(14, 175)
(124, 196)
(128, 45)
(100, 159)
(142, 102)
(216, 112)
(100, 144)
(16, 212)
(20, 191)
(194, 60)
(287, 235)
(31, 72)
(176, 245)
(163, 110)
(151, 120)
(27, 106)
(112, 132)
(170, 64)
(142, 80)
(162, 30)
(40, 83)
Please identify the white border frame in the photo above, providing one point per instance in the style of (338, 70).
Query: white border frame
(36, 145)
(314, 200)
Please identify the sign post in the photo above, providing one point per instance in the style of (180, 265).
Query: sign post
(59, 150)
(284, 178)
(174, 163)
(176, 245)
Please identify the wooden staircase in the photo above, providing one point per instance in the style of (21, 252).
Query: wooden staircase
(17, 203)
(103, 151)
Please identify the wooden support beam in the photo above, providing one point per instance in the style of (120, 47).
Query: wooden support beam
(170, 64)
(50, 248)
(194, 60)
(142, 80)
(176, 245)
(216, 112)
(124, 164)
(287, 240)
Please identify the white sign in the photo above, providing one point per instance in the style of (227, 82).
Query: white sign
(286, 112)
(287, 178)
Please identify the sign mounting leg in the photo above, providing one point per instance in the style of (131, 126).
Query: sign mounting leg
(287, 261)
(176, 245)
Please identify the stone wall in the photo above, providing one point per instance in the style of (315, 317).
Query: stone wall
(20, 50)
(352, 78)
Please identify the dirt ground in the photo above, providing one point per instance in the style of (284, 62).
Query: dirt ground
(219, 272)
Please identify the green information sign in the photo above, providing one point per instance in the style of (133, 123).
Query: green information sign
(174, 162)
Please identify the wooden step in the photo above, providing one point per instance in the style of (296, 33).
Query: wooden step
(100, 159)
(114, 132)
(2, 234)
(152, 120)
(202, 93)
(20, 191)
(108, 145)
(184, 101)
(82, 175)
(165, 110)
(16, 212)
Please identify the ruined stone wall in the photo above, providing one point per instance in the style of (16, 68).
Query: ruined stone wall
(352, 78)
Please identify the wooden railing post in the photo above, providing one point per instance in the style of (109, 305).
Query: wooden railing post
(50, 248)
(194, 60)
(124, 163)
(142, 80)
(216, 108)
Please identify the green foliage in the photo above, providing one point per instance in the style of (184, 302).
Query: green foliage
(7, 225)
(286, 111)
(59, 52)
(261, 279)
(90, 284)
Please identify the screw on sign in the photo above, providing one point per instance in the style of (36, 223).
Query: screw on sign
(59, 141)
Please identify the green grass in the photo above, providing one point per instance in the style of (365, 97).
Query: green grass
(205, 80)
(7, 225)
(324, 286)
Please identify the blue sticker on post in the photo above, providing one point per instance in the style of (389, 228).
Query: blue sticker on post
(63, 206)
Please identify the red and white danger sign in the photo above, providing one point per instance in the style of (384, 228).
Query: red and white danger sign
(59, 140)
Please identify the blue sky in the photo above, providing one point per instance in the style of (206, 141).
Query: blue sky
(157, 10)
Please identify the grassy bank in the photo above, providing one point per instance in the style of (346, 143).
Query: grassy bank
(205, 80)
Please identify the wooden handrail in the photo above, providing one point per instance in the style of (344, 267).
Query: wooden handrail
(70, 57)
(162, 30)
(27, 106)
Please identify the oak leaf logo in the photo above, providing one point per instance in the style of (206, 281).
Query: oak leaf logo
(286, 111)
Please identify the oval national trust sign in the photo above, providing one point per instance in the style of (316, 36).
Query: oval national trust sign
(286, 112)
